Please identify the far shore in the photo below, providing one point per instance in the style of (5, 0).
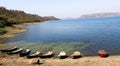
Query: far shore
(15, 60)
(12, 31)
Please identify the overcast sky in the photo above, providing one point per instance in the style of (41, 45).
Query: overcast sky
(62, 8)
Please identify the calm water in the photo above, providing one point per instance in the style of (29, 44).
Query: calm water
(104, 33)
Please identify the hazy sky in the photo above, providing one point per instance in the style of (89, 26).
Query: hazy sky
(62, 8)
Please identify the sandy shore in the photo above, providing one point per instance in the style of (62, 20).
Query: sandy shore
(15, 60)
(15, 29)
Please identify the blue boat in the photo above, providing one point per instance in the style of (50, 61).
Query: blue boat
(25, 53)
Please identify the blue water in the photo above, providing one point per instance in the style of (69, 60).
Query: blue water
(104, 32)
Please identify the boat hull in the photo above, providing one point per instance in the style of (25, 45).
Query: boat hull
(15, 52)
(22, 54)
(9, 50)
(35, 56)
(103, 55)
(62, 57)
(76, 56)
(47, 56)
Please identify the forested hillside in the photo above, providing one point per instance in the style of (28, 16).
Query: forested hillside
(10, 17)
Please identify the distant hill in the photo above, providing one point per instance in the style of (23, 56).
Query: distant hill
(50, 18)
(99, 15)
(10, 17)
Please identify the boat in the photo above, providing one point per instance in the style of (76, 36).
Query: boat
(49, 54)
(103, 53)
(24, 53)
(76, 55)
(62, 55)
(16, 51)
(9, 49)
(34, 55)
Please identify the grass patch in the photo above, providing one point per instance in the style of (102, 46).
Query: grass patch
(2, 31)
(2, 46)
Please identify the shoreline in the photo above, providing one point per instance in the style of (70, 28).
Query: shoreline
(15, 60)
(13, 31)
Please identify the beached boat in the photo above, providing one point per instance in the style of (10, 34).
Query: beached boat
(103, 53)
(16, 51)
(9, 49)
(49, 54)
(62, 55)
(25, 52)
(76, 55)
(34, 55)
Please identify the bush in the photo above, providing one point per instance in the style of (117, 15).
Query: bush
(2, 31)
(1, 25)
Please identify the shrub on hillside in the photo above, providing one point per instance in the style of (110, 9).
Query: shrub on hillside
(2, 31)
(1, 25)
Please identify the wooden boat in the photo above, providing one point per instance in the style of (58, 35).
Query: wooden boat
(76, 55)
(24, 53)
(16, 51)
(37, 54)
(62, 55)
(10, 49)
(103, 53)
(49, 54)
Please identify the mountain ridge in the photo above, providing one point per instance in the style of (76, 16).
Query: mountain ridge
(99, 15)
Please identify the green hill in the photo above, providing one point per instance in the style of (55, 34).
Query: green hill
(11, 17)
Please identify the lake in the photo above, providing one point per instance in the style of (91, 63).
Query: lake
(86, 35)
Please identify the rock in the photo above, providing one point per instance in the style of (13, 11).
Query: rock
(1, 64)
(2, 55)
(34, 61)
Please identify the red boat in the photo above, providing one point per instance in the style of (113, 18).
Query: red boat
(103, 53)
